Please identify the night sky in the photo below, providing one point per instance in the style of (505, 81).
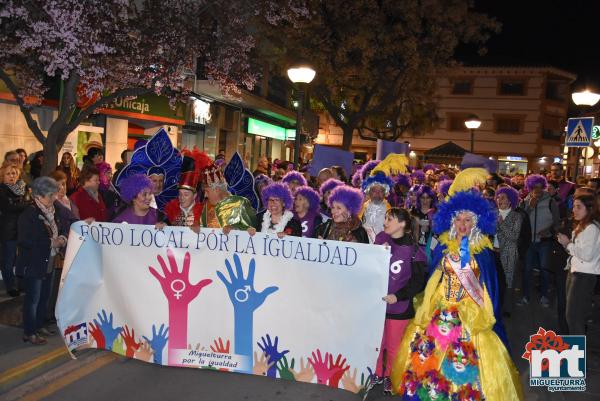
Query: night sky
(563, 34)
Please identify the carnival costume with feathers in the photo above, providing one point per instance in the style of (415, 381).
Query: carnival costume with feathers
(155, 157)
(460, 310)
(194, 162)
(372, 215)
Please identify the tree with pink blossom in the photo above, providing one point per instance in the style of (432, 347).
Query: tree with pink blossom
(102, 50)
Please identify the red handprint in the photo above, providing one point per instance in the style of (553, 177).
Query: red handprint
(179, 292)
(97, 335)
(222, 349)
(219, 347)
(336, 370)
(319, 364)
(130, 344)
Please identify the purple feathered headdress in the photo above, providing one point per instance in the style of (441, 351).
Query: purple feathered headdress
(511, 193)
(294, 176)
(535, 179)
(279, 191)
(402, 179)
(131, 186)
(426, 190)
(367, 168)
(350, 197)
(329, 185)
(418, 175)
(444, 186)
(311, 195)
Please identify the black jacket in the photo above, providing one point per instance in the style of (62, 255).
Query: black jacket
(293, 226)
(34, 242)
(359, 233)
(11, 206)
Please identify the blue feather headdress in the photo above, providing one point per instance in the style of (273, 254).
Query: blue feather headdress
(464, 201)
(377, 179)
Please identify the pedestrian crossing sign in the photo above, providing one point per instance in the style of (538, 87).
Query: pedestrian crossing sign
(579, 132)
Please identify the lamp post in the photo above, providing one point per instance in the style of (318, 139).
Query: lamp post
(472, 122)
(301, 75)
(587, 99)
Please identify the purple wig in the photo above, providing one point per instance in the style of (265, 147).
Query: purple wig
(294, 176)
(511, 193)
(350, 197)
(261, 179)
(507, 180)
(356, 177)
(402, 179)
(418, 175)
(367, 168)
(279, 191)
(312, 196)
(134, 184)
(426, 190)
(535, 179)
(413, 190)
(444, 186)
(329, 185)
(428, 167)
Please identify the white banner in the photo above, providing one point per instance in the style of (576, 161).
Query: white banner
(293, 308)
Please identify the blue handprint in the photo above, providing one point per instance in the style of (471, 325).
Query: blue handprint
(270, 349)
(245, 301)
(158, 342)
(106, 326)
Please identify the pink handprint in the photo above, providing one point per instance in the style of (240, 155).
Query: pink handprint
(319, 364)
(337, 370)
(179, 292)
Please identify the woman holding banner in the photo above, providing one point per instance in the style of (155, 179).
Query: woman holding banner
(345, 203)
(278, 218)
(456, 346)
(406, 279)
(306, 210)
(137, 191)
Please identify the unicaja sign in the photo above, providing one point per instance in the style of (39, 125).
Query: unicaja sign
(556, 362)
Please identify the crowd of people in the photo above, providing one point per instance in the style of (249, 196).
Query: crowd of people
(461, 243)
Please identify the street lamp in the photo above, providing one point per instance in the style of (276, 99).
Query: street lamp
(301, 75)
(585, 98)
(472, 122)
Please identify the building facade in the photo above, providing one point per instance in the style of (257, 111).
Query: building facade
(523, 111)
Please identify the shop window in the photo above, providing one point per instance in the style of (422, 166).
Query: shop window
(508, 124)
(462, 87)
(512, 87)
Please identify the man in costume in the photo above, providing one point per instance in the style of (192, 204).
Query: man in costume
(221, 209)
(376, 188)
(460, 310)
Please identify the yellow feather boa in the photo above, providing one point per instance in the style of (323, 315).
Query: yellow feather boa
(453, 245)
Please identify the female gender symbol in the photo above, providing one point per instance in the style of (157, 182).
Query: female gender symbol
(180, 290)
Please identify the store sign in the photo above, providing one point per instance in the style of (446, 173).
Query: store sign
(201, 111)
(596, 132)
(151, 105)
(513, 158)
(258, 127)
